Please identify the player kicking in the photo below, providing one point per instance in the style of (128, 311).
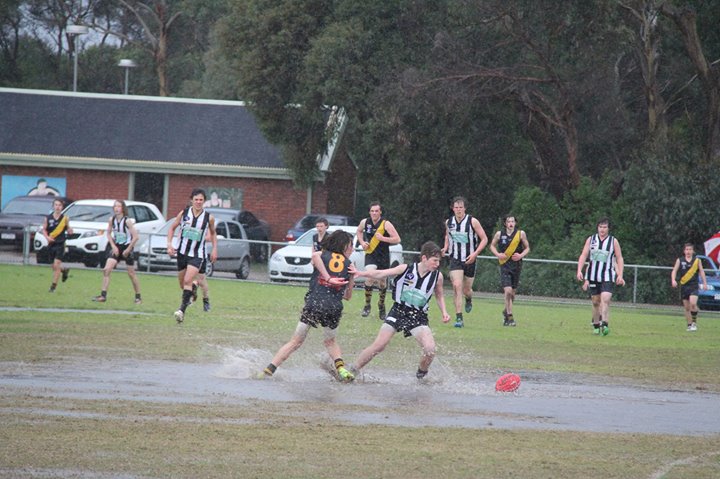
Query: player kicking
(414, 286)
(330, 283)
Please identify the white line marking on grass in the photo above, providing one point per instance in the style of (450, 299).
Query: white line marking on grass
(60, 310)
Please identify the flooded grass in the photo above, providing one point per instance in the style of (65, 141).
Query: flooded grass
(131, 394)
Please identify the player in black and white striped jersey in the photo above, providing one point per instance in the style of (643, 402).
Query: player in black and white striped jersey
(604, 271)
(415, 284)
(465, 238)
(195, 222)
(122, 237)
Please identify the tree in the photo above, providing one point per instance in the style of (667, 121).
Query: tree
(646, 13)
(685, 18)
(156, 19)
(10, 24)
(265, 44)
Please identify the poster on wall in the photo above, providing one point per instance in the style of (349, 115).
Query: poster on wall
(223, 197)
(13, 186)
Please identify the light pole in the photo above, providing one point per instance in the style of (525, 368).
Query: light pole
(127, 64)
(74, 31)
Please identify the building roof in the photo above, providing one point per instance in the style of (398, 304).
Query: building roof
(135, 133)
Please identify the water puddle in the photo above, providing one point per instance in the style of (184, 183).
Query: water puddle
(389, 397)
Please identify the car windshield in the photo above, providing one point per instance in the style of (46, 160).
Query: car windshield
(166, 227)
(226, 214)
(307, 222)
(28, 207)
(89, 212)
(307, 238)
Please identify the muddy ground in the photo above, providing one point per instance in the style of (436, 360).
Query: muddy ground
(544, 401)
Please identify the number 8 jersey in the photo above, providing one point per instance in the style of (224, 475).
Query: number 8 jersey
(321, 295)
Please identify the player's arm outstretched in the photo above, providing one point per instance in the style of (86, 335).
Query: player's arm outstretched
(380, 273)
(319, 265)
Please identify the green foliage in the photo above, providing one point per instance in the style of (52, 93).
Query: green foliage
(540, 216)
(35, 67)
(265, 44)
(666, 200)
(97, 66)
(444, 98)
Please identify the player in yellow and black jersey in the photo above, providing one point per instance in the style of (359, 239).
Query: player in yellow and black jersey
(330, 283)
(55, 228)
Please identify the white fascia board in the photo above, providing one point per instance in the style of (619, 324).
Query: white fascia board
(85, 163)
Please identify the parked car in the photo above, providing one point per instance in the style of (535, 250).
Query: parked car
(709, 299)
(255, 228)
(233, 253)
(309, 221)
(89, 220)
(292, 262)
(23, 211)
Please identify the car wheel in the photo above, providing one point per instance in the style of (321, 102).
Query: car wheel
(209, 269)
(244, 271)
(93, 261)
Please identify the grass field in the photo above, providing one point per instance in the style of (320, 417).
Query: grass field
(47, 436)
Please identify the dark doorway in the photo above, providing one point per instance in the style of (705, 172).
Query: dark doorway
(149, 188)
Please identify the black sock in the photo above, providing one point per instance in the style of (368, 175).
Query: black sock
(53, 286)
(103, 294)
(270, 369)
(458, 317)
(339, 363)
(381, 298)
(420, 373)
(694, 314)
(185, 299)
(368, 295)
(137, 295)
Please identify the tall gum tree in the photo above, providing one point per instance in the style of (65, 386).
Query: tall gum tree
(708, 73)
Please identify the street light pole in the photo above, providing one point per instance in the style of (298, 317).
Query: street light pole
(127, 64)
(74, 31)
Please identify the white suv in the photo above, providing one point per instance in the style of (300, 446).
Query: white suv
(89, 220)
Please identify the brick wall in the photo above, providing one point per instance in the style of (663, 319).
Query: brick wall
(275, 201)
(81, 184)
